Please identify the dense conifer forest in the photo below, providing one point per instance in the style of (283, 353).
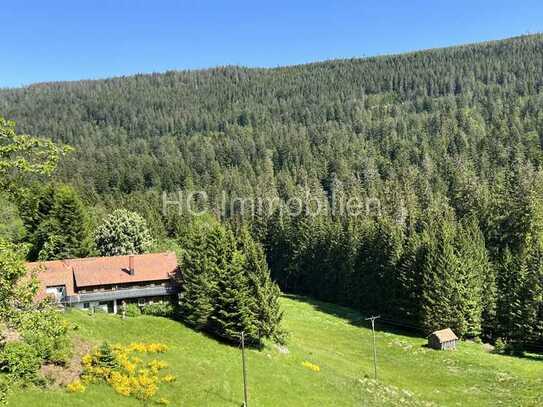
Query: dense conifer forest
(445, 144)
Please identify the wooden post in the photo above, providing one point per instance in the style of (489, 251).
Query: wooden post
(372, 319)
(245, 389)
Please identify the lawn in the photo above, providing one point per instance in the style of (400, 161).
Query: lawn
(209, 373)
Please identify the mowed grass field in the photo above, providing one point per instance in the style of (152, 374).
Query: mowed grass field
(209, 373)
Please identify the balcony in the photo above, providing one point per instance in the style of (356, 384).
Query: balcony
(120, 294)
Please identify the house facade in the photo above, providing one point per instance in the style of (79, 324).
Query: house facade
(107, 282)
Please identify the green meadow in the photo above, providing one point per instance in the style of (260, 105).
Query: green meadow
(209, 373)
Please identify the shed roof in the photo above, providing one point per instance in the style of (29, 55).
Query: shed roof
(445, 335)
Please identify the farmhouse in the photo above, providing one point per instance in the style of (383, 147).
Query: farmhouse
(107, 282)
(443, 339)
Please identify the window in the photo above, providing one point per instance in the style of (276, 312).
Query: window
(86, 305)
(57, 292)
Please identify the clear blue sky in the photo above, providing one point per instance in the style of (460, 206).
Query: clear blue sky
(46, 40)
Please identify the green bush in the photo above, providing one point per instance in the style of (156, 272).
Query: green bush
(46, 331)
(508, 348)
(164, 309)
(500, 346)
(5, 388)
(133, 310)
(21, 361)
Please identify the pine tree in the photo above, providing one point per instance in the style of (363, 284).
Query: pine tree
(520, 272)
(57, 222)
(520, 298)
(106, 357)
(232, 312)
(264, 293)
(439, 292)
(71, 217)
(226, 288)
(454, 267)
(475, 276)
(197, 281)
(409, 279)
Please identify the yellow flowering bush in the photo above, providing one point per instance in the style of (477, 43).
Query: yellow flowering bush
(127, 374)
(155, 365)
(147, 347)
(311, 366)
(145, 385)
(75, 387)
(169, 378)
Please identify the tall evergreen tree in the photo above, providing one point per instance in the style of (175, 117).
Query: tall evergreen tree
(454, 267)
(57, 222)
(232, 312)
(226, 287)
(263, 292)
(197, 281)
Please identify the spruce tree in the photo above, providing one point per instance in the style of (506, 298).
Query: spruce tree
(196, 280)
(263, 292)
(454, 267)
(73, 230)
(57, 222)
(440, 296)
(232, 312)
(475, 276)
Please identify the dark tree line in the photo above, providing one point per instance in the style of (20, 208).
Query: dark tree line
(447, 141)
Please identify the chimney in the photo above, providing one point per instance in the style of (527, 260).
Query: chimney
(131, 269)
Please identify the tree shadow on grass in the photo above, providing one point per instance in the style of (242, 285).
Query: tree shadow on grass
(221, 340)
(358, 319)
(526, 356)
(532, 356)
(384, 324)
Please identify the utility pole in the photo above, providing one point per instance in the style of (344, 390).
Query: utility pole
(245, 389)
(372, 319)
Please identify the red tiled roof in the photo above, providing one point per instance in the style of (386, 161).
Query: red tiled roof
(95, 271)
(52, 273)
(114, 270)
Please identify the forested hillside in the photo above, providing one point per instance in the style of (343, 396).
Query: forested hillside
(447, 142)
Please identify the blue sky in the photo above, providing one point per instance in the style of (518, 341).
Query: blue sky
(78, 39)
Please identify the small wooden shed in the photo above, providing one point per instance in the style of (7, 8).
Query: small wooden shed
(443, 339)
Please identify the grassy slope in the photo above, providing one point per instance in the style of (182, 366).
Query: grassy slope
(209, 373)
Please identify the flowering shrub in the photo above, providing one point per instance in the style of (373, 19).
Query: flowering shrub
(169, 378)
(155, 365)
(76, 387)
(147, 347)
(127, 374)
(311, 366)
